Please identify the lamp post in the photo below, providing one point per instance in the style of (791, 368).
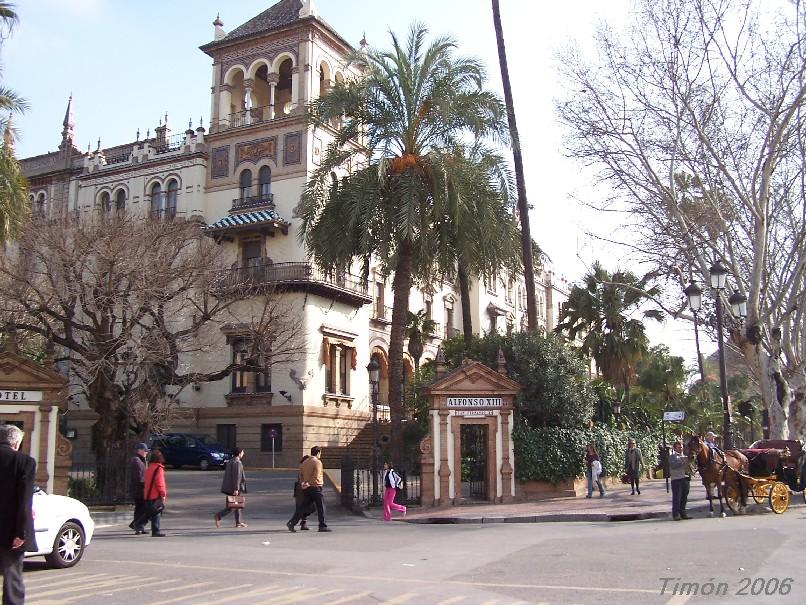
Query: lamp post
(694, 295)
(373, 369)
(718, 275)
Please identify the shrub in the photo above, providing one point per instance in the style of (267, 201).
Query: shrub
(555, 453)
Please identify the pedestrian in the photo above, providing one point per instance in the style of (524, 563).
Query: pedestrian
(17, 472)
(593, 471)
(680, 473)
(299, 498)
(155, 493)
(391, 483)
(136, 472)
(312, 483)
(233, 484)
(633, 465)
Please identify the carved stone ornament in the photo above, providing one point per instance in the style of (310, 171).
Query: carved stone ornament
(425, 445)
(253, 151)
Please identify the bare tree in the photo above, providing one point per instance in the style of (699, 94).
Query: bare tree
(694, 119)
(140, 309)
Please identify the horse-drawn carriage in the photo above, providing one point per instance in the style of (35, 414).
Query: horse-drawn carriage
(767, 471)
(775, 470)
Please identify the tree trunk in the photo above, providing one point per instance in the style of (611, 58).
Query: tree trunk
(523, 204)
(467, 317)
(401, 287)
(774, 388)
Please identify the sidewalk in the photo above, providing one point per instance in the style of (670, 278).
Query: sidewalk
(617, 505)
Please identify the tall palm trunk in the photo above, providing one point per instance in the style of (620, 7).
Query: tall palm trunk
(523, 205)
(464, 294)
(401, 287)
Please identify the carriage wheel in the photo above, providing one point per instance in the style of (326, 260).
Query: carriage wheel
(779, 497)
(761, 491)
(732, 498)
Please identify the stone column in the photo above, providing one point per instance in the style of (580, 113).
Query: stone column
(43, 456)
(506, 463)
(224, 104)
(444, 468)
(247, 99)
(294, 88)
(427, 469)
(272, 79)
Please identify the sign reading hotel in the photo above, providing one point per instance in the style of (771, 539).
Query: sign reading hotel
(475, 402)
(20, 396)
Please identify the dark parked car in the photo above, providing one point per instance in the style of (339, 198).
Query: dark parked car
(185, 449)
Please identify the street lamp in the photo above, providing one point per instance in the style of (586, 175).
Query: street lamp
(719, 276)
(373, 369)
(694, 295)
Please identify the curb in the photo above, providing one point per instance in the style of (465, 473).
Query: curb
(550, 518)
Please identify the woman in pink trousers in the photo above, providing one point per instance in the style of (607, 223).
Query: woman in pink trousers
(391, 483)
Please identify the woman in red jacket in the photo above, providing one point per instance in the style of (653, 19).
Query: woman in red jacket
(154, 492)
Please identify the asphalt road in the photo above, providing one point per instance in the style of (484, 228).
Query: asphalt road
(368, 561)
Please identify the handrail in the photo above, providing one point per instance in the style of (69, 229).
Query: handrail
(284, 273)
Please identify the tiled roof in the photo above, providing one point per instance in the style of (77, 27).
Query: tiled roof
(275, 17)
(248, 218)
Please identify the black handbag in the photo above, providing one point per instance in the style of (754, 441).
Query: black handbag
(156, 506)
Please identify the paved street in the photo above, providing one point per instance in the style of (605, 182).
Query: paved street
(368, 561)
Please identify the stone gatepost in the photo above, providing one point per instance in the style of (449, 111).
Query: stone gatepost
(31, 397)
(468, 453)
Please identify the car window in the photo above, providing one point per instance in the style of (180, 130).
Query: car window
(190, 442)
(176, 441)
(209, 441)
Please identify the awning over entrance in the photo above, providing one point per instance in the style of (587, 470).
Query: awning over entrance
(249, 220)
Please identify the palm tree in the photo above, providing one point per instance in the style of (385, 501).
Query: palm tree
(600, 311)
(411, 102)
(481, 236)
(13, 187)
(418, 328)
(523, 204)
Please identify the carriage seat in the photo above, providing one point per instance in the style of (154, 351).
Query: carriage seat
(764, 461)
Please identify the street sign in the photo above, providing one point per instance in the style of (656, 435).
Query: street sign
(673, 416)
(273, 433)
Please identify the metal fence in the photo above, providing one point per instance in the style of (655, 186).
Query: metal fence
(100, 483)
(361, 490)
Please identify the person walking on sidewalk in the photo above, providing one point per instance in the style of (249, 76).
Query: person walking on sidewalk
(233, 484)
(312, 475)
(391, 483)
(136, 475)
(154, 494)
(593, 471)
(17, 473)
(633, 466)
(299, 498)
(680, 474)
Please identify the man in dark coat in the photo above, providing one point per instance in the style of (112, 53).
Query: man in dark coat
(136, 473)
(17, 472)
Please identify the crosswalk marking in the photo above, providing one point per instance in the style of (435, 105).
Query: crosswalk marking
(112, 588)
(349, 598)
(51, 580)
(494, 601)
(408, 596)
(451, 600)
(197, 595)
(114, 581)
(184, 586)
(259, 592)
(300, 595)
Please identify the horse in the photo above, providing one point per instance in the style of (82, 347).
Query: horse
(721, 469)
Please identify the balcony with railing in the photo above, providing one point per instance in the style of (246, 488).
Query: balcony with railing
(306, 277)
(255, 201)
(381, 312)
(168, 144)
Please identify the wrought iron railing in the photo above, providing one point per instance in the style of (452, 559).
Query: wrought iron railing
(119, 158)
(171, 143)
(381, 311)
(287, 273)
(363, 488)
(247, 117)
(267, 199)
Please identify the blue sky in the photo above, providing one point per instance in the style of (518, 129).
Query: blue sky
(127, 63)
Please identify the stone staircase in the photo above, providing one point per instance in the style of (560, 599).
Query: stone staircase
(360, 449)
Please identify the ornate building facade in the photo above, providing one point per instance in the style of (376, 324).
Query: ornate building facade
(243, 179)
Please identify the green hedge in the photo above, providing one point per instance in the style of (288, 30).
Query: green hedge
(553, 454)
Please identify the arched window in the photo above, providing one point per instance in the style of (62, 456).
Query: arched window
(246, 184)
(173, 192)
(120, 203)
(106, 203)
(264, 183)
(156, 200)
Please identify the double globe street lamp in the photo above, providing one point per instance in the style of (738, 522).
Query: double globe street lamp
(738, 302)
(373, 369)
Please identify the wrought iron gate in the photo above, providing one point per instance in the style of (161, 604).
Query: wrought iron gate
(474, 461)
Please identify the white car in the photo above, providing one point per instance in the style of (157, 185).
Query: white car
(63, 528)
